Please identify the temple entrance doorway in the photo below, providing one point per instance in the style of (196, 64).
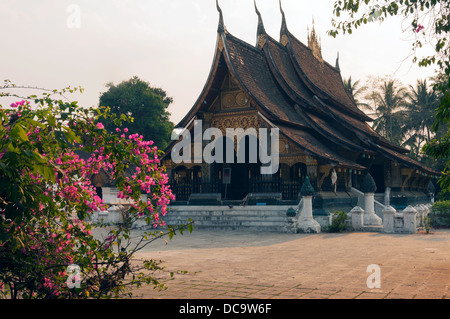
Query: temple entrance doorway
(377, 172)
(243, 168)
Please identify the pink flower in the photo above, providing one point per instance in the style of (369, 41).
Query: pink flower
(20, 103)
(100, 126)
(419, 28)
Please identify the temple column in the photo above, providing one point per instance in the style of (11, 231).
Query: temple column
(306, 222)
(369, 187)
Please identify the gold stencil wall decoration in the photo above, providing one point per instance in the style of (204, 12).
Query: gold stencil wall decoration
(292, 160)
(228, 100)
(241, 99)
(236, 121)
(234, 100)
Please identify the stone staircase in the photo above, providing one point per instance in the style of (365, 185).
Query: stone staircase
(252, 218)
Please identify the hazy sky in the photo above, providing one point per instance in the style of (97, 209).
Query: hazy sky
(170, 43)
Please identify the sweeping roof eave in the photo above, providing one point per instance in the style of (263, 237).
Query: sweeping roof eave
(404, 159)
(305, 141)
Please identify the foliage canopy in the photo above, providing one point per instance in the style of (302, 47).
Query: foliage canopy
(146, 105)
(49, 152)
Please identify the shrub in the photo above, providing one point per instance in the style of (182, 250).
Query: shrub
(440, 213)
(443, 195)
(338, 222)
(291, 213)
(47, 195)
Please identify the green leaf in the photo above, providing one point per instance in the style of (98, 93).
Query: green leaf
(71, 137)
(64, 116)
(18, 132)
(46, 172)
(191, 225)
(29, 153)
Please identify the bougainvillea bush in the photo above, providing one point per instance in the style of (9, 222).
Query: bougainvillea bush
(50, 149)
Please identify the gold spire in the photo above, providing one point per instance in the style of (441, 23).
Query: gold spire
(314, 43)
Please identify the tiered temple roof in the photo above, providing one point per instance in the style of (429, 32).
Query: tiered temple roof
(294, 89)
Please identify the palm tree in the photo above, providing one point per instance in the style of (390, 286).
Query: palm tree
(390, 102)
(355, 90)
(421, 111)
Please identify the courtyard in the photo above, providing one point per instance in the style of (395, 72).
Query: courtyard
(250, 265)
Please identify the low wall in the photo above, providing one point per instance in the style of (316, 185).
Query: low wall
(235, 216)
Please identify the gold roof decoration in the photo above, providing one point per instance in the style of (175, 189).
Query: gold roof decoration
(314, 43)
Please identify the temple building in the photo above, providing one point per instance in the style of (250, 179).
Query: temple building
(287, 85)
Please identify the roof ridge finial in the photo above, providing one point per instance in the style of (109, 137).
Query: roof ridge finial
(337, 63)
(281, 8)
(221, 28)
(261, 33)
(283, 21)
(260, 22)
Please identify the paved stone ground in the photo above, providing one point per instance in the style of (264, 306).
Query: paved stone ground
(237, 264)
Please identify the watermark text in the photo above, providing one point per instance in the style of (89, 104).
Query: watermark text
(262, 144)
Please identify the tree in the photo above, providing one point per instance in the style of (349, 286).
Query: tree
(439, 147)
(355, 89)
(390, 101)
(47, 248)
(429, 22)
(145, 104)
(420, 113)
(419, 12)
